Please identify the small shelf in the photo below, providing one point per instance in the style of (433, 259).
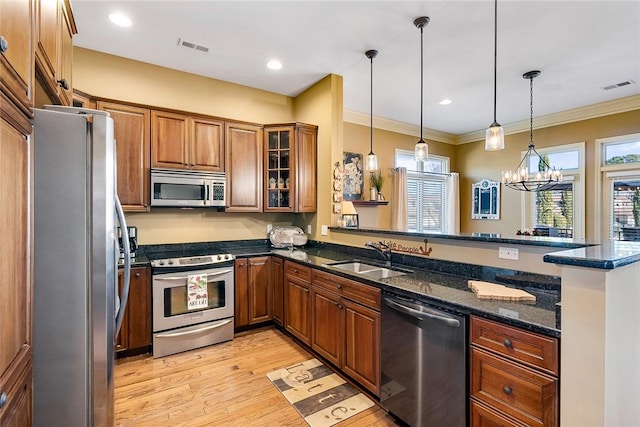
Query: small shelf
(370, 202)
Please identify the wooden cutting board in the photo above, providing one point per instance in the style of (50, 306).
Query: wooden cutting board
(486, 290)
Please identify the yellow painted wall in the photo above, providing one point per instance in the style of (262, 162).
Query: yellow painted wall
(476, 164)
(114, 77)
(357, 140)
(322, 105)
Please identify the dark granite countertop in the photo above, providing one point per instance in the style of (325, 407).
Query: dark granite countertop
(138, 261)
(451, 290)
(557, 242)
(607, 256)
(430, 280)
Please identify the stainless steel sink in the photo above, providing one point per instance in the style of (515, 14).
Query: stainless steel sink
(368, 270)
(354, 266)
(382, 273)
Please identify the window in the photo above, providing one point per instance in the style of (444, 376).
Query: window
(620, 182)
(558, 212)
(426, 192)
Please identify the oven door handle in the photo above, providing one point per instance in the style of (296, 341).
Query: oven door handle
(195, 331)
(217, 273)
(127, 268)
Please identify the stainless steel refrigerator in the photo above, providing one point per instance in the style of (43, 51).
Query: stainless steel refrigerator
(77, 309)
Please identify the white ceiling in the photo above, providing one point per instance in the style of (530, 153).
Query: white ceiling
(580, 47)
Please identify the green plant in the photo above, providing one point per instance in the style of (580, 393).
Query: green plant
(376, 180)
(636, 207)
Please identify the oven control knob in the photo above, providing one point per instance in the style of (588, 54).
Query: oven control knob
(170, 262)
(226, 256)
(161, 263)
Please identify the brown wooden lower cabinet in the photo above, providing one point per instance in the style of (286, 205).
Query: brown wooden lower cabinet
(482, 416)
(510, 376)
(362, 345)
(135, 332)
(298, 308)
(278, 290)
(18, 411)
(328, 325)
(253, 291)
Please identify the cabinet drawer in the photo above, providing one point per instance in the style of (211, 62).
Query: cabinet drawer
(527, 347)
(481, 416)
(358, 292)
(298, 271)
(520, 392)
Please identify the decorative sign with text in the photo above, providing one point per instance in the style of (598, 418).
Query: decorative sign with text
(420, 250)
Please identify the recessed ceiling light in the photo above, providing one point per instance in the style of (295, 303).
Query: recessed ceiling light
(120, 19)
(274, 64)
(445, 102)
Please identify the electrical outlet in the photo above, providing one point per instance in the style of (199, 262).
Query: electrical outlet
(269, 228)
(508, 253)
(324, 230)
(308, 228)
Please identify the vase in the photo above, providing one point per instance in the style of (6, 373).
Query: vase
(373, 194)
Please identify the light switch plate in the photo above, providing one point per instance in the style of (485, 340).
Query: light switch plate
(324, 230)
(308, 228)
(269, 228)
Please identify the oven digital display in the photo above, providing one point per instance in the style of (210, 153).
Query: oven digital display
(195, 260)
(176, 299)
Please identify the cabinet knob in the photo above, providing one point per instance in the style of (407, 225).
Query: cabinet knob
(507, 343)
(4, 44)
(506, 389)
(339, 286)
(295, 270)
(3, 399)
(306, 291)
(137, 274)
(63, 84)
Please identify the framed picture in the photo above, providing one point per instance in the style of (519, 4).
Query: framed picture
(350, 220)
(353, 182)
(485, 200)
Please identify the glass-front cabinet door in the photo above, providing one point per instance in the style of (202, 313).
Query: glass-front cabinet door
(279, 169)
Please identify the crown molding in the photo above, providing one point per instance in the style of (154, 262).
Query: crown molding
(398, 127)
(601, 109)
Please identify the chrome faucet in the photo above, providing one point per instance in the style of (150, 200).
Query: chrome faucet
(383, 249)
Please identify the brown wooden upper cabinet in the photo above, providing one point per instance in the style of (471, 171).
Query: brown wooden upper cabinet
(290, 163)
(181, 141)
(55, 28)
(16, 48)
(243, 167)
(131, 132)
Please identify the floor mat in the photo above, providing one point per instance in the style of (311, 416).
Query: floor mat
(319, 395)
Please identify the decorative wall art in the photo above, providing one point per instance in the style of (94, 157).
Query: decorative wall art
(485, 200)
(336, 188)
(353, 182)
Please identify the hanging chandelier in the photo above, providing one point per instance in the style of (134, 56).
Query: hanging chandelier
(522, 179)
(494, 138)
(421, 149)
(372, 159)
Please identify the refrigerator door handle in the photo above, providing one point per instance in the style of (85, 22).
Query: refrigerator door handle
(127, 266)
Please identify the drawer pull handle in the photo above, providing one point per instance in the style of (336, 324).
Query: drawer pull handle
(339, 286)
(507, 343)
(3, 399)
(137, 274)
(4, 44)
(295, 270)
(507, 390)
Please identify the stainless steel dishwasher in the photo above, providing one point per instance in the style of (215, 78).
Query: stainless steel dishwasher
(424, 363)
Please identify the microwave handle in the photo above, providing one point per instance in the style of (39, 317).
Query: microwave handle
(207, 193)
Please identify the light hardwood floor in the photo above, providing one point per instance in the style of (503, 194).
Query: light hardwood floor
(220, 385)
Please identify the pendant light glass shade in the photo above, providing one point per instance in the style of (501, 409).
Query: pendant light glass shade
(494, 138)
(522, 179)
(421, 152)
(372, 159)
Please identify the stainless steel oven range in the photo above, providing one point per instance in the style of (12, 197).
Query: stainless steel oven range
(192, 302)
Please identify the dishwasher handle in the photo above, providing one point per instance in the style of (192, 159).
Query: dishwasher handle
(423, 313)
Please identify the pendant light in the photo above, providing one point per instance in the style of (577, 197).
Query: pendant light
(494, 139)
(422, 149)
(546, 177)
(372, 159)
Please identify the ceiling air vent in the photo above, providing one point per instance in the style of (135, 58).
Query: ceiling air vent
(617, 85)
(192, 45)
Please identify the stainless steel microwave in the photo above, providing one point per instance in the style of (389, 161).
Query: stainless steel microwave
(181, 188)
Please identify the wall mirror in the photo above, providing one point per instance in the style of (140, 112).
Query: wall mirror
(486, 200)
